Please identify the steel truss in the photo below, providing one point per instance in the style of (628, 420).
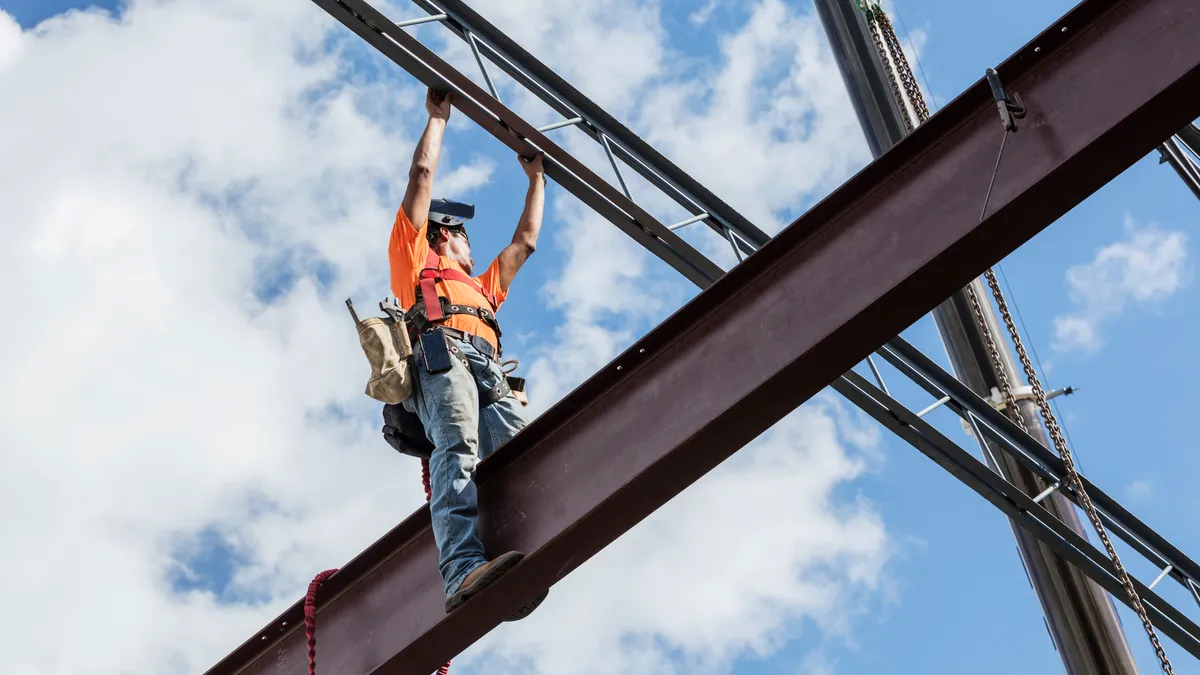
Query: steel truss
(1104, 86)
(1187, 166)
(1020, 507)
(982, 420)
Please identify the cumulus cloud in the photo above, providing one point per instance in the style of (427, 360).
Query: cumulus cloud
(1147, 266)
(10, 38)
(702, 15)
(1139, 490)
(179, 224)
(733, 567)
(765, 130)
(770, 129)
(150, 182)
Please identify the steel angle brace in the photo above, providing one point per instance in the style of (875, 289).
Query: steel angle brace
(520, 136)
(1172, 152)
(1015, 504)
(579, 110)
(995, 425)
(1190, 136)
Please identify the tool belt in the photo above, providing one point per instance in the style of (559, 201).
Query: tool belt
(387, 343)
(418, 321)
(480, 344)
(404, 431)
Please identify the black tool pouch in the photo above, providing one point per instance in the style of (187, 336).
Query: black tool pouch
(404, 432)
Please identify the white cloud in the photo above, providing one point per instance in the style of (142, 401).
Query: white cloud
(10, 38)
(149, 396)
(702, 15)
(146, 394)
(1139, 490)
(771, 128)
(1145, 268)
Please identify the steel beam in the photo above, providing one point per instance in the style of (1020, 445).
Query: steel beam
(560, 95)
(859, 267)
(522, 137)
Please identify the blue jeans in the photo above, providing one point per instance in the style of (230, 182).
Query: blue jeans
(462, 435)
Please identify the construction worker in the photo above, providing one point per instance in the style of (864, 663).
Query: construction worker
(460, 392)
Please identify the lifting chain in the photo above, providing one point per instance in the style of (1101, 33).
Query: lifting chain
(906, 74)
(880, 23)
(873, 12)
(1060, 445)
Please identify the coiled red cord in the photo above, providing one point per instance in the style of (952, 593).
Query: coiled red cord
(310, 599)
(310, 617)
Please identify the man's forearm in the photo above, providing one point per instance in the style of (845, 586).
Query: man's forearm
(420, 174)
(524, 240)
(530, 225)
(429, 148)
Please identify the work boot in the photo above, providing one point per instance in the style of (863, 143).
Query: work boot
(485, 575)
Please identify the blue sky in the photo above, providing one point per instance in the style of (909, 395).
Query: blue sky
(955, 592)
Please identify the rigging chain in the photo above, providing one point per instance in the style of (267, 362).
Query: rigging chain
(880, 23)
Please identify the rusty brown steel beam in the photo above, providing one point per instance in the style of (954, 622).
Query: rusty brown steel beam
(1104, 87)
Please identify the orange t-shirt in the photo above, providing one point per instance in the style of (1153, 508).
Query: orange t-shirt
(407, 252)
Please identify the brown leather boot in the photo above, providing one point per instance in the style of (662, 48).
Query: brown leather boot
(485, 575)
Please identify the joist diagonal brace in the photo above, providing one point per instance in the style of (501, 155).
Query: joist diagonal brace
(862, 265)
(617, 140)
(1014, 503)
(522, 137)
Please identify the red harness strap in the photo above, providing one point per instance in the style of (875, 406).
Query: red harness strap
(434, 273)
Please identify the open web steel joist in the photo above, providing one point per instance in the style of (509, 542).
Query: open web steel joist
(1104, 87)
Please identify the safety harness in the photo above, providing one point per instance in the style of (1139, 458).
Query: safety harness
(431, 308)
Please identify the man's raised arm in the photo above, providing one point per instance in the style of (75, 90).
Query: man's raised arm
(524, 240)
(425, 159)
